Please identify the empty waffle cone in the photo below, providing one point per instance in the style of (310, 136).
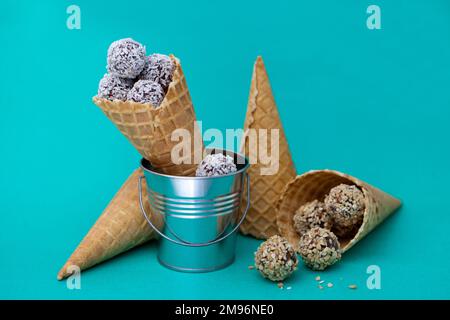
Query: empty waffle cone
(120, 228)
(316, 185)
(265, 190)
(150, 129)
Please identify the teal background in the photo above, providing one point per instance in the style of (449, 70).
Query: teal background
(375, 104)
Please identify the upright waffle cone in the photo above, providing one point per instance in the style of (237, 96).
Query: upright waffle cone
(315, 185)
(150, 129)
(120, 228)
(265, 190)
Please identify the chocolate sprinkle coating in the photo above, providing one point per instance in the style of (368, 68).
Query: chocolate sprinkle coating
(146, 91)
(346, 205)
(276, 259)
(126, 58)
(158, 68)
(311, 214)
(111, 88)
(215, 165)
(319, 248)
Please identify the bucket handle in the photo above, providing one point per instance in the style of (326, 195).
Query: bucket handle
(188, 244)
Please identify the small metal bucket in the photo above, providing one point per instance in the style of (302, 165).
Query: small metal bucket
(200, 216)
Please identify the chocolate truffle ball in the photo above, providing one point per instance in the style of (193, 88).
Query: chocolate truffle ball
(346, 205)
(146, 91)
(345, 231)
(158, 68)
(319, 248)
(126, 58)
(276, 259)
(111, 88)
(215, 165)
(311, 214)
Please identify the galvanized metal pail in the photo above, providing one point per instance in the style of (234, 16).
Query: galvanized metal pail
(200, 214)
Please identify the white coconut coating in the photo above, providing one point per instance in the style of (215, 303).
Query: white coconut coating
(215, 165)
(111, 88)
(158, 68)
(126, 58)
(146, 91)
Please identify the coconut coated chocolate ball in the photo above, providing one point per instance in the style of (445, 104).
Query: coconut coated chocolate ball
(112, 88)
(215, 165)
(146, 91)
(311, 214)
(319, 248)
(276, 259)
(158, 68)
(126, 58)
(345, 203)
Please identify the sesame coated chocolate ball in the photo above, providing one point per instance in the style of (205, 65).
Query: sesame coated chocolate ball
(215, 165)
(146, 91)
(345, 203)
(311, 214)
(158, 68)
(319, 248)
(276, 259)
(126, 58)
(112, 88)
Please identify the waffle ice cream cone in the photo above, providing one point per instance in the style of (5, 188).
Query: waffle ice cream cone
(120, 228)
(315, 185)
(265, 190)
(150, 129)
